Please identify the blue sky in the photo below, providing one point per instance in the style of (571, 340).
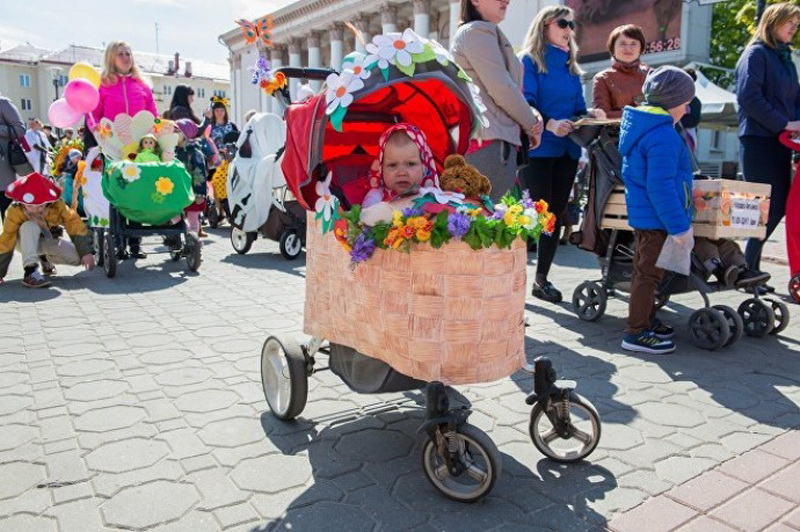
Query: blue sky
(190, 27)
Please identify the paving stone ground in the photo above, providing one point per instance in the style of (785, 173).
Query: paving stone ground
(135, 403)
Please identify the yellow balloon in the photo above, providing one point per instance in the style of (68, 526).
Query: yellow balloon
(86, 71)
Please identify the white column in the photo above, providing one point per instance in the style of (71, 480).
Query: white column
(389, 18)
(421, 17)
(275, 62)
(362, 24)
(294, 61)
(455, 15)
(337, 48)
(314, 57)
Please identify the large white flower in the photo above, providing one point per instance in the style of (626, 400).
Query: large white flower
(442, 54)
(326, 202)
(357, 64)
(130, 172)
(394, 48)
(442, 196)
(340, 89)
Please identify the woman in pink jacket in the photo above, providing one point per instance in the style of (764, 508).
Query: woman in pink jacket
(122, 90)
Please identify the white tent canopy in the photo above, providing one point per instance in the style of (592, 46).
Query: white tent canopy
(719, 107)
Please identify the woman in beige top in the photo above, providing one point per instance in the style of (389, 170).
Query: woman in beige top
(484, 52)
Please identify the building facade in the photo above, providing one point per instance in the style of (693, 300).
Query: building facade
(33, 78)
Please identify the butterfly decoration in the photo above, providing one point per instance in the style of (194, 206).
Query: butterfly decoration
(220, 99)
(259, 31)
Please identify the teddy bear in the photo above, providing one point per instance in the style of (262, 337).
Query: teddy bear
(463, 178)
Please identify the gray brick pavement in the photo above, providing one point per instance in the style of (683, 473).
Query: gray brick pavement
(135, 403)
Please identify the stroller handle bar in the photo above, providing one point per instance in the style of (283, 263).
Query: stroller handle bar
(313, 74)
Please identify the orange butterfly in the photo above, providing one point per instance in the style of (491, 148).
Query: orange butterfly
(258, 30)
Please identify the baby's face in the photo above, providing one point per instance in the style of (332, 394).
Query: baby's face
(148, 143)
(402, 167)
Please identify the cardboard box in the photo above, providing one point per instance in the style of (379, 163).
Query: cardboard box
(723, 208)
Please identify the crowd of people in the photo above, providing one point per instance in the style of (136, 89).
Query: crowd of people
(532, 101)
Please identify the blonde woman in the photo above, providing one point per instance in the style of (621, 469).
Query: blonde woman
(484, 52)
(122, 90)
(769, 103)
(552, 84)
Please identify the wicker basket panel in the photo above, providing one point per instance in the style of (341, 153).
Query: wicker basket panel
(452, 314)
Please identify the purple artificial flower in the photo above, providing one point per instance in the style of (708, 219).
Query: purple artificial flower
(499, 211)
(363, 248)
(412, 211)
(527, 202)
(458, 224)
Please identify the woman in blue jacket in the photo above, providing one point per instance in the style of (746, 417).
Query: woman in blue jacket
(769, 103)
(552, 84)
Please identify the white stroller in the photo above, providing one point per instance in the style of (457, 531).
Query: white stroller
(95, 203)
(257, 190)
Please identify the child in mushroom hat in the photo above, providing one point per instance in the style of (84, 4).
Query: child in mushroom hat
(30, 223)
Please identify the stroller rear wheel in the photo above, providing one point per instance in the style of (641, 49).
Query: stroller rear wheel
(565, 430)
(758, 317)
(193, 252)
(589, 300)
(241, 240)
(735, 323)
(109, 255)
(709, 328)
(794, 288)
(290, 244)
(781, 312)
(97, 245)
(283, 377)
(476, 458)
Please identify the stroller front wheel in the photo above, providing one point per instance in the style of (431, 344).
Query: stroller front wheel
(565, 429)
(589, 300)
(283, 377)
(109, 255)
(735, 323)
(781, 312)
(476, 458)
(290, 245)
(241, 241)
(709, 328)
(757, 316)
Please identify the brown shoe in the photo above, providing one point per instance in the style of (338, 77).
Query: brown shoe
(35, 280)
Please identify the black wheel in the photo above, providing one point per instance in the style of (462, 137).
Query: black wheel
(567, 430)
(283, 377)
(290, 244)
(476, 454)
(193, 252)
(781, 312)
(97, 245)
(109, 255)
(589, 300)
(241, 241)
(794, 288)
(735, 323)
(757, 316)
(212, 216)
(709, 328)
(661, 300)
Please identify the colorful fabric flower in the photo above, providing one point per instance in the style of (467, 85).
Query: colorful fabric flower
(363, 248)
(130, 172)
(394, 48)
(358, 66)
(340, 89)
(458, 224)
(443, 197)
(442, 54)
(164, 186)
(327, 204)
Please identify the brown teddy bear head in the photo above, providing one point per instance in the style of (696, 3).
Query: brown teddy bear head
(458, 176)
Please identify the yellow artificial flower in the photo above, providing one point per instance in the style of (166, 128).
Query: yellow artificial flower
(524, 220)
(396, 215)
(423, 235)
(509, 218)
(164, 185)
(474, 213)
(516, 209)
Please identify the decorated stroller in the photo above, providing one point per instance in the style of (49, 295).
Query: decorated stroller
(257, 194)
(793, 222)
(144, 199)
(430, 317)
(605, 232)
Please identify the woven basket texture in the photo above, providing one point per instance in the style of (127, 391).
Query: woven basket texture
(452, 314)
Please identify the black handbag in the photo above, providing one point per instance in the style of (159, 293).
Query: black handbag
(16, 154)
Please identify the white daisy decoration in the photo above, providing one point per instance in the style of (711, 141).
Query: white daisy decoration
(357, 65)
(340, 88)
(442, 196)
(442, 54)
(130, 172)
(394, 48)
(327, 204)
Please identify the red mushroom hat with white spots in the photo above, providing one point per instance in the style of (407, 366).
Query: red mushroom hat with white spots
(33, 189)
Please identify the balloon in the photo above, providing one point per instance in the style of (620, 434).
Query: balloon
(61, 114)
(81, 95)
(84, 70)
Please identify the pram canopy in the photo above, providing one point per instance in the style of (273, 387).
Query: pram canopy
(338, 130)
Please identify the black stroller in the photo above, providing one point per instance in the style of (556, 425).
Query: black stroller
(604, 231)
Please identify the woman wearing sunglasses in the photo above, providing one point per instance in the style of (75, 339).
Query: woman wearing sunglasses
(621, 85)
(552, 84)
(486, 55)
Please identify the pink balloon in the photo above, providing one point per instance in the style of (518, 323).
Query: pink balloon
(62, 114)
(82, 95)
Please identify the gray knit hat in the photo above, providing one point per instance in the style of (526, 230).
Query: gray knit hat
(668, 87)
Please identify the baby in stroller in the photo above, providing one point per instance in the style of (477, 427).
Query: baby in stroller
(657, 172)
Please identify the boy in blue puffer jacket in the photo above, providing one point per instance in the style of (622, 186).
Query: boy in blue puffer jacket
(657, 171)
